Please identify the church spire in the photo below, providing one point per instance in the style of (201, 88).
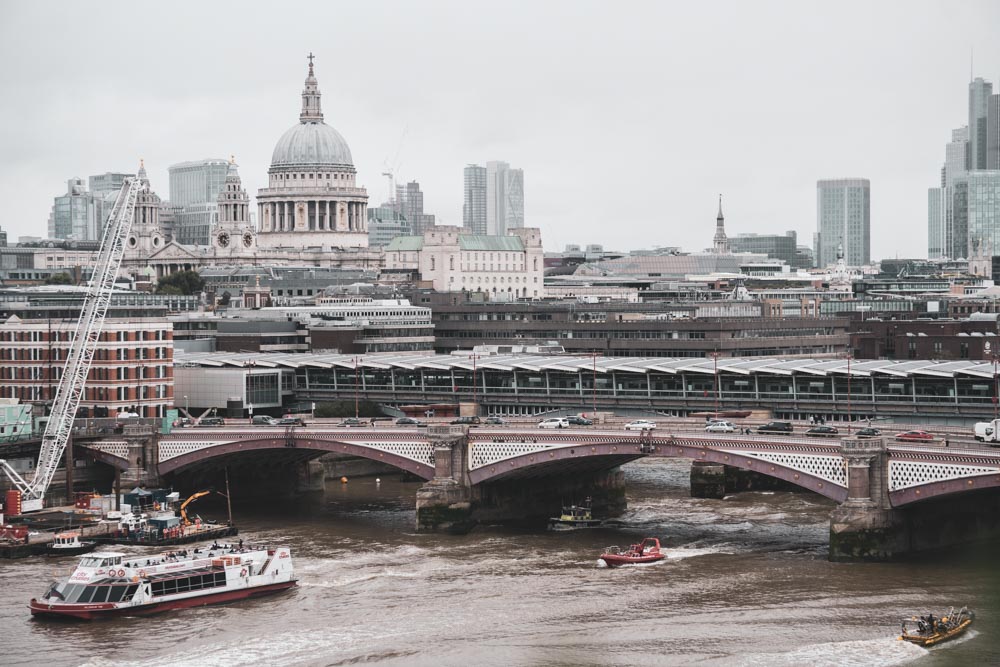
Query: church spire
(720, 242)
(312, 111)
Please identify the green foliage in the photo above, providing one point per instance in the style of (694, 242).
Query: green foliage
(182, 282)
(335, 409)
(59, 279)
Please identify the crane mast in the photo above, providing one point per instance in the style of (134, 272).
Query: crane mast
(82, 348)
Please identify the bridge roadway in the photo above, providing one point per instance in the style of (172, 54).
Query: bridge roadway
(913, 472)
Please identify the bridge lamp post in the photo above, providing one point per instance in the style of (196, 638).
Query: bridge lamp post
(849, 393)
(187, 410)
(475, 398)
(715, 377)
(356, 371)
(594, 388)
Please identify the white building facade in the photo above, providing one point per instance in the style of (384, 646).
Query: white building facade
(510, 266)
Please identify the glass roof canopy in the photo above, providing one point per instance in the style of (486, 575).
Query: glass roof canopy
(590, 363)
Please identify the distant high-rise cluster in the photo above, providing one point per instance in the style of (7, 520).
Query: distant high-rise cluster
(80, 214)
(410, 203)
(494, 199)
(843, 221)
(963, 211)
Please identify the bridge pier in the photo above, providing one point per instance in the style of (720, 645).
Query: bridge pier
(865, 527)
(142, 456)
(444, 503)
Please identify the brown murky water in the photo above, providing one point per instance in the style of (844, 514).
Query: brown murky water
(747, 583)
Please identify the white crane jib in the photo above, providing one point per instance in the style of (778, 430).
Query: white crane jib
(82, 348)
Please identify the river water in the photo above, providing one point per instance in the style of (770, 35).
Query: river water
(747, 583)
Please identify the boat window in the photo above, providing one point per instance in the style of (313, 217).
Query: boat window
(90, 562)
(87, 595)
(116, 593)
(183, 585)
(101, 594)
(129, 592)
(71, 592)
(156, 588)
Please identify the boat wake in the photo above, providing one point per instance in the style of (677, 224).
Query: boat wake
(886, 652)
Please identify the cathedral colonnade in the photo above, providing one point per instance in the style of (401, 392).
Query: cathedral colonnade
(313, 215)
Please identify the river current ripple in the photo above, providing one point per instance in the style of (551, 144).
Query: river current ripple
(746, 583)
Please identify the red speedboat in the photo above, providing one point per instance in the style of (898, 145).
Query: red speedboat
(647, 551)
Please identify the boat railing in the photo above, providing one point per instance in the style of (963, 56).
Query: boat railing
(615, 551)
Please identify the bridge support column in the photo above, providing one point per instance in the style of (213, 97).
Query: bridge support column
(142, 456)
(865, 527)
(444, 503)
(708, 480)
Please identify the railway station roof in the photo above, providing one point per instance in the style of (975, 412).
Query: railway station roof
(569, 363)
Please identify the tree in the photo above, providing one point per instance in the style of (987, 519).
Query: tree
(182, 282)
(59, 279)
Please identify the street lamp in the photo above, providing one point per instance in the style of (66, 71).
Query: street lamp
(250, 364)
(594, 388)
(715, 376)
(475, 400)
(849, 392)
(356, 367)
(187, 410)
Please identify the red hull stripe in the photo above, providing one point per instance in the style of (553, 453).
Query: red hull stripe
(90, 612)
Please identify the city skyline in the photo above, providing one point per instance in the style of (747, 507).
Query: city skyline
(651, 120)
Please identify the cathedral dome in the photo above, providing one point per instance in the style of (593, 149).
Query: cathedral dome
(311, 144)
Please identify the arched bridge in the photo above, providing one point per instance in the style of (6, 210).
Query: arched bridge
(910, 472)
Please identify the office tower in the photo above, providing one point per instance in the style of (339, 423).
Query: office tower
(936, 227)
(78, 214)
(410, 203)
(107, 184)
(993, 133)
(474, 206)
(956, 155)
(504, 198)
(843, 218)
(979, 97)
(983, 206)
(194, 192)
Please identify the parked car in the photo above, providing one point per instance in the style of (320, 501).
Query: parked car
(915, 436)
(720, 427)
(291, 421)
(351, 421)
(776, 427)
(554, 422)
(868, 432)
(640, 425)
(577, 420)
(263, 420)
(409, 421)
(184, 422)
(467, 421)
(211, 421)
(822, 432)
(496, 421)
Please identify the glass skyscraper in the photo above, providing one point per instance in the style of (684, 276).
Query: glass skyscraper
(474, 206)
(194, 193)
(979, 97)
(843, 219)
(984, 209)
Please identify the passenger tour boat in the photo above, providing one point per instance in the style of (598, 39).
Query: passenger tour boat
(69, 544)
(928, 630)
(106, 584)
(647, 551)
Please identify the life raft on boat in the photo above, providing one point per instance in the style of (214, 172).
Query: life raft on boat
(930, 630)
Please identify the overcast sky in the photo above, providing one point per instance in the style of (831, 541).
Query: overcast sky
(628, 118)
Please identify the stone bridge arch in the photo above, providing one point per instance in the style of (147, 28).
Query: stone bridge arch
(813, 466)
(411, 456)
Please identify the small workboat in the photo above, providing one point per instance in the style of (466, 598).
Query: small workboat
(574, 516)
(928, 630)
(69, 544)
(647, 551)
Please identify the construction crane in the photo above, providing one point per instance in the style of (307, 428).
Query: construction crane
(194, 497)
(81, 352)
